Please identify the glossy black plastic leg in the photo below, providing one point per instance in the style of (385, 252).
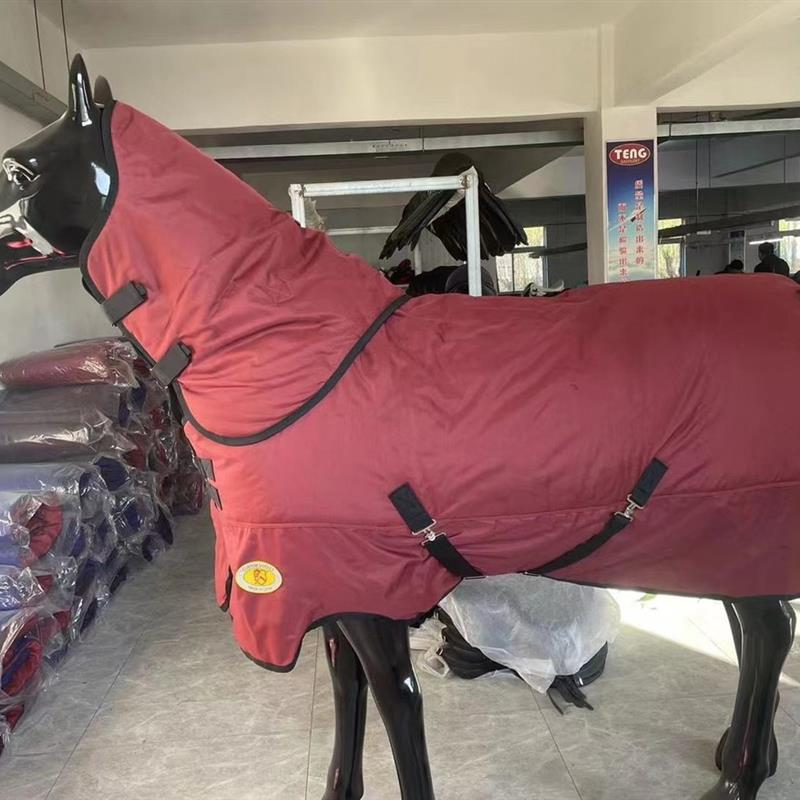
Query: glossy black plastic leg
(382, 648)
(736, 632)
(345, 778)
(748, 758)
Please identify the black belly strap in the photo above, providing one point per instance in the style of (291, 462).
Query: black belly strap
(421, 523)
(620, 520)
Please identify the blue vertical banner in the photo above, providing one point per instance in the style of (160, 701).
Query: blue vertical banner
(632, 213)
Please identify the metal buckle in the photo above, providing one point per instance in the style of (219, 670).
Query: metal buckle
(630, 509)
(429, 532)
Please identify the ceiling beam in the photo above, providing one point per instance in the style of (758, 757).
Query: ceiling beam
(727, 127)
(26, 97)
(418, 144)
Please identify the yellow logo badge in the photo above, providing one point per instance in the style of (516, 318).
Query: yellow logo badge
(259, 577)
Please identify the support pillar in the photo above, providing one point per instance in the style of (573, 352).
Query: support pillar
(621, 193)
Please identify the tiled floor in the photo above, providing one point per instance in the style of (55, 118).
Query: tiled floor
(160, 704)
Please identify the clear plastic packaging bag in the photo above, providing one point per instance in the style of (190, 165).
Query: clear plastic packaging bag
(104, 538)
(27, 637)
(119, 403)
(89, 597)
(115, 571)
(115, 473)
(538, 627)
(134, 516)
(58, 435)
(92, 361)
(19, 588)
(30, 705)
(52, 522)
(57, 576)
(82, 481)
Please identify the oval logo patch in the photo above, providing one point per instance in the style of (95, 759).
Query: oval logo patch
(629, 155)
(259, 577)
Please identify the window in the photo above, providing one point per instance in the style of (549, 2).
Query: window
(670, 256)
(790, 245)
(517, 269)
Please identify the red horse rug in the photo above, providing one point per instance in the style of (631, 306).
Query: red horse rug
(368, 451)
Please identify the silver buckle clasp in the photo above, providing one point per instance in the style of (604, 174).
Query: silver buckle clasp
(429, 532)
(630, 509)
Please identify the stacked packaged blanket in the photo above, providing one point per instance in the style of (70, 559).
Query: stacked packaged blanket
(93, 466)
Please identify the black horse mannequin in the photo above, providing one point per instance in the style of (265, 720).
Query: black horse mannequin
(54, 187)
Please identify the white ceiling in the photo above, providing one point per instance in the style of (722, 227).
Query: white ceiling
(124, 23)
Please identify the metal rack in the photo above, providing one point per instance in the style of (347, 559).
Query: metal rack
(466, 183)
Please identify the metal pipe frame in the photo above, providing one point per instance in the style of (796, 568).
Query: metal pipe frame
(360, 231)
(468, 182)
(392, 186)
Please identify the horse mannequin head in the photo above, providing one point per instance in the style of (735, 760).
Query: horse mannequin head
(53, 186)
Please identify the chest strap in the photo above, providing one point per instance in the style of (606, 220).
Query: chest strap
(421, 523)
(172, 364)
(620, 520)
(123, 301)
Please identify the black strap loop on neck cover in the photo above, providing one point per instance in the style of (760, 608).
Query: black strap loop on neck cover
(420, 523)
(620, 520)
(172, 364)
(123, 301)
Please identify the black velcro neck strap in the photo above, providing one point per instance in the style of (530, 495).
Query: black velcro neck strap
(123, 301)
(207, 467)
(172, 364)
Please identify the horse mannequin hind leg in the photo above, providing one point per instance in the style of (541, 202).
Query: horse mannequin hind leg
(749, 752)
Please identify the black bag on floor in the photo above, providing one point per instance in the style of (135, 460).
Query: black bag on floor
(466, 661)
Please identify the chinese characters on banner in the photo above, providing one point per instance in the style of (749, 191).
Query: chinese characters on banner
(632, 218)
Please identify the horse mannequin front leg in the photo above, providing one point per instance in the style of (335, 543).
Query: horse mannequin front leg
(345, 776)
(749, 755)
(382, 648)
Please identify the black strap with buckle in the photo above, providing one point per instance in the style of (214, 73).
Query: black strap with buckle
(421, 523)
(172, 364)
(620, 520)
(123, 301)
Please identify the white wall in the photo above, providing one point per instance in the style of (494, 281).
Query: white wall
(41, 310)
(356, 81)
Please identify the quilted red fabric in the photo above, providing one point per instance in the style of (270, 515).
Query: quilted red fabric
(522, 424)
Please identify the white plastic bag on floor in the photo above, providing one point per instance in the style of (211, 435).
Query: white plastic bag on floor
(538, 627)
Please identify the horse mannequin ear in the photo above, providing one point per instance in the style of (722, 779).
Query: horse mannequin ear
(81, 109)
(102, 91)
